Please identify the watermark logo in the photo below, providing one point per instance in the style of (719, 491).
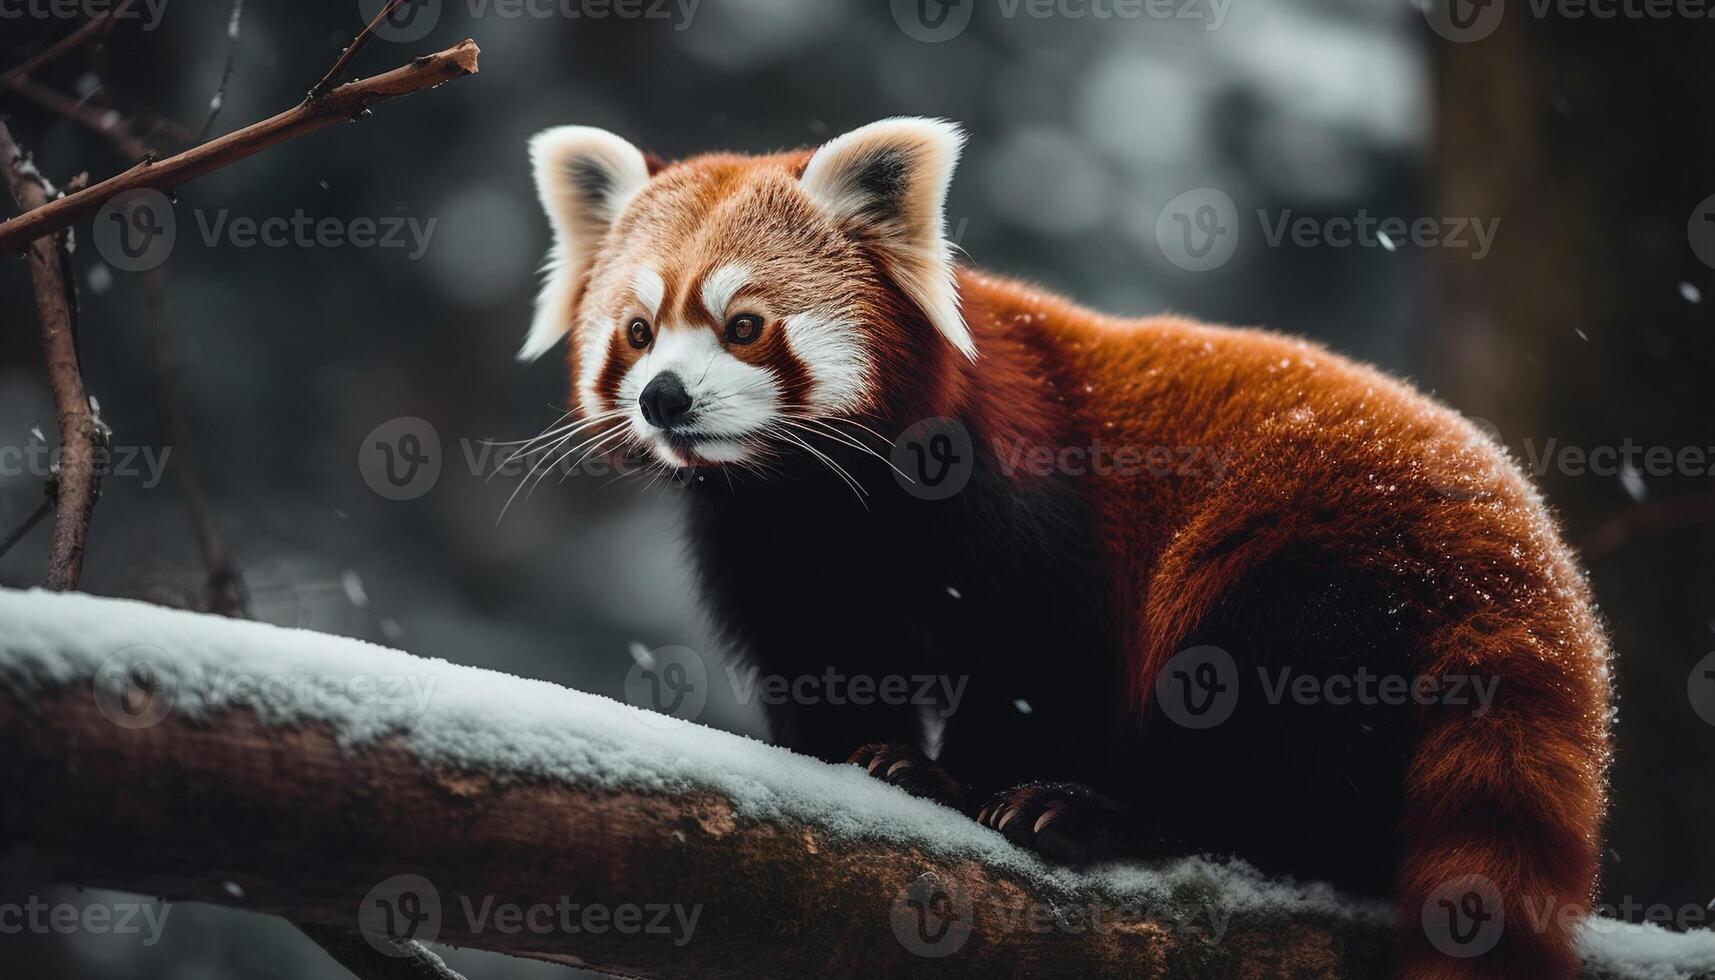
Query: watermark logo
(414, 19)
(38, 459)
(1199, 230)
(404, 908)
(934, 459)
(1104, 459)
(400, 459)
(1464, 917)
(671, 685)
(149, 13)
(940, 693)
(933, 21)
(136, 230)
(1700, 688)
(1365, 230)
(410, 21)
(1199, 687)
(42, 918)
(1462, 21)
(932, 918)
(408, 908)
(1700, 230)
(137, 687)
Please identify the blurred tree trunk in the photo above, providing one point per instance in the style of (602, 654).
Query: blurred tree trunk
(1590, 141)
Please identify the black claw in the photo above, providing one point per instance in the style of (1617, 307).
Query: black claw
(903, 766)
(1069, 824)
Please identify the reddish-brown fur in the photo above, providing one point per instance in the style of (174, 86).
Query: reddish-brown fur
(1327, 457)
(1334, 453)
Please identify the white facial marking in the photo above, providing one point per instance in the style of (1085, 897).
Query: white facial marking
(650, 290)
(832, 351)
(595, 343)
(721, 286)
(731, 401)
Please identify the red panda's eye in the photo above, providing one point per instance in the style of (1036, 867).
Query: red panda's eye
(744, 328)
(639, 333)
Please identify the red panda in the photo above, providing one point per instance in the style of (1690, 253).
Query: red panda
(780, 320)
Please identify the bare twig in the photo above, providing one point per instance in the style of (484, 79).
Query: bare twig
(94, 28)
(350, 950)
(338, 105)
(104, 122)
(225, 585)
(83, 438)
(17, 534)
(219, 97)
(357, 44)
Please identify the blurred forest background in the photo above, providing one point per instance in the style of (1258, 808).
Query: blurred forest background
(1585, 323)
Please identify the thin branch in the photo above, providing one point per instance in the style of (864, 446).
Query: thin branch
(357, 44)
(339, 105)
(219, 99)
(224, 587)
(94, 28)
(350, 950)
(83, 437)
(18, 533)
(104, 122)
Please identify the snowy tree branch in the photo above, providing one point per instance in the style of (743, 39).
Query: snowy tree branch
(340, 784)
(83, 436)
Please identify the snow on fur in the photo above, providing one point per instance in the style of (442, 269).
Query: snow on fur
(484, 720)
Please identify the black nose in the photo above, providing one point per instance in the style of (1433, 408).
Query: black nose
(664, 401)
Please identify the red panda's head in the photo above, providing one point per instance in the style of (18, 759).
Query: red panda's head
(713, 301)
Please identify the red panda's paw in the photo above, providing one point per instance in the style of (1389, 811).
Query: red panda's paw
(898, 764)
(1067, 823)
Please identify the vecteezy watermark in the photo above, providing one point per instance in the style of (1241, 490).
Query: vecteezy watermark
(938, 692)
(1467, 915)
(38, 459)
(148, 13)
(414, 19)
(408, 907)
(1199, 688)
(934, 459)
(934, 917)
(1364, 230)
(139, 687)
(1104, 459)
(1700, 688)
(400, 459)
(136, 231)
(42, 918)
(1628, 457)
(934, 21)
(1199, 230)
(670, 684)
(1700, 231)
(1464, 916)
(1462, 21)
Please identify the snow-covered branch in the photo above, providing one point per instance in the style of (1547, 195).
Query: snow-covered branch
(343, 784)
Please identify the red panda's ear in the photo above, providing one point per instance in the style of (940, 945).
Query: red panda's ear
(887, 183)
(584, 177)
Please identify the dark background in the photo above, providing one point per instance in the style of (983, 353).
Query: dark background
(1588, 140)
